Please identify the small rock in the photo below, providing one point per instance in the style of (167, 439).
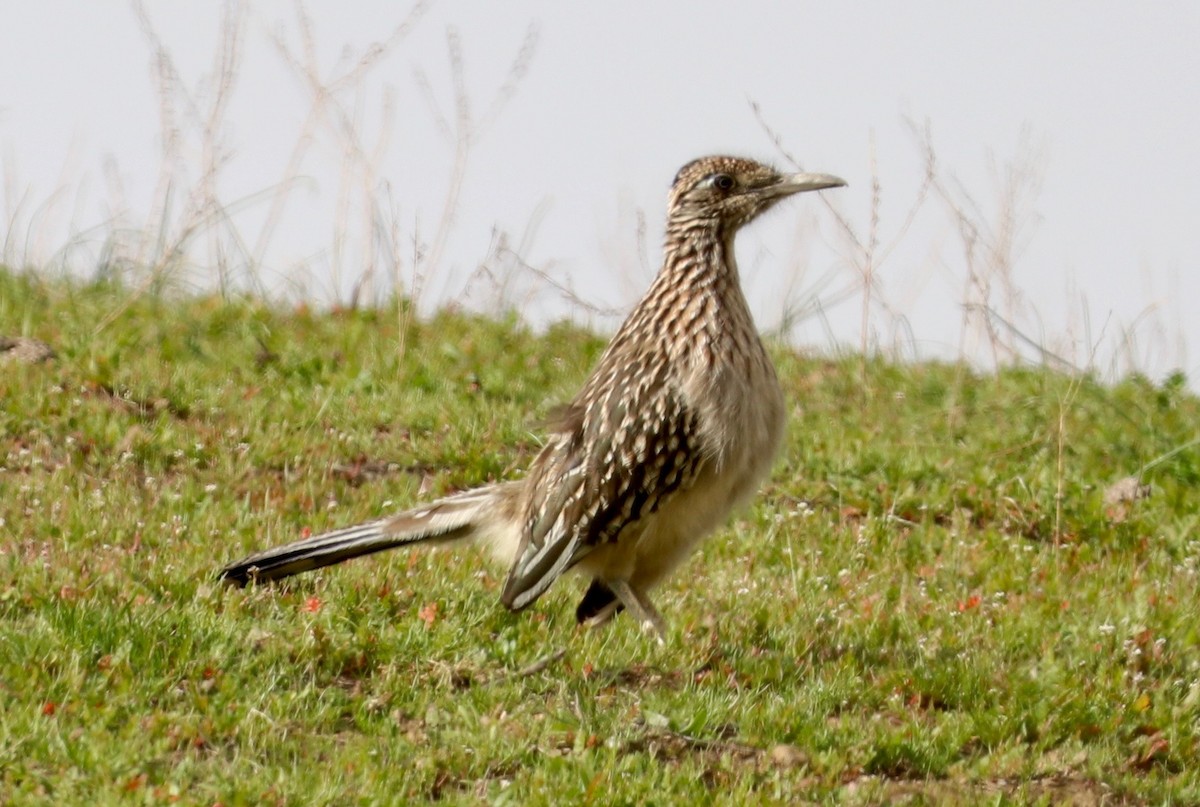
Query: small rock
(24, 350)
(1129, 489)
(788, 756)
(1120, 496)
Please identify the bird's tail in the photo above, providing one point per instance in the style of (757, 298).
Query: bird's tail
(453, 518)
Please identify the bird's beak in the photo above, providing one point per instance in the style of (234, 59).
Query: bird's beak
(799, 183)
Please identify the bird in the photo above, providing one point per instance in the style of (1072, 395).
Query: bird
(675, 427)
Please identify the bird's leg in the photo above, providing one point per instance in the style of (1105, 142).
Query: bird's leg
(639, 607)
(603, 616)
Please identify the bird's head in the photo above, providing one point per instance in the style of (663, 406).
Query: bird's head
(731, 191)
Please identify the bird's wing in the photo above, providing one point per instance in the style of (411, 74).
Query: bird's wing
(621, 449)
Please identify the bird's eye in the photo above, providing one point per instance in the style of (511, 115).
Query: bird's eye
(723, 182)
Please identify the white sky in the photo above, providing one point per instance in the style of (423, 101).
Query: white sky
(1102, 99)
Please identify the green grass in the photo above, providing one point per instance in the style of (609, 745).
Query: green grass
(929, 602)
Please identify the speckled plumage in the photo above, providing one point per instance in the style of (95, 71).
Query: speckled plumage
(677, 424)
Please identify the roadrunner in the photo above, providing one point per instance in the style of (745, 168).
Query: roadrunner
(675, 427)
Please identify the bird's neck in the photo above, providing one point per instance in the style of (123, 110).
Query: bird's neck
(697, 293)
(692, 309)
(699, 262)
(698, 253)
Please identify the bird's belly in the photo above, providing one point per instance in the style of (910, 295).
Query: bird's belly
(644, 556)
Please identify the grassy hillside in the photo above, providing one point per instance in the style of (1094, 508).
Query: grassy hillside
(930, 601)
